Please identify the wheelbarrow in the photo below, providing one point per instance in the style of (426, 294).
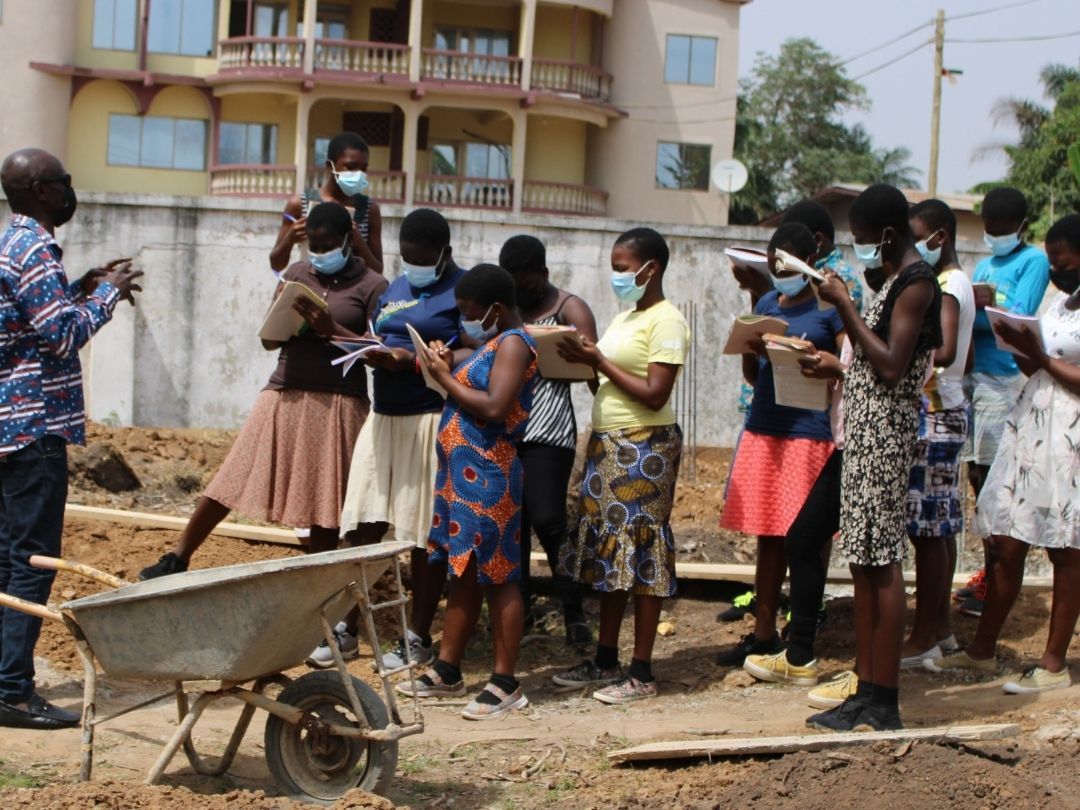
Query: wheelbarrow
(230, 633)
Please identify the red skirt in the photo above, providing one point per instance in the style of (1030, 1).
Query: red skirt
(771, 477)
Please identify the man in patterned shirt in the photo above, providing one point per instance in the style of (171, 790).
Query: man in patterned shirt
(44, 321)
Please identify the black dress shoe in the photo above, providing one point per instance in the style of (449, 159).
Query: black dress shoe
(39, 714)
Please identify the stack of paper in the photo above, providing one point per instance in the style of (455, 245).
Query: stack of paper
(548, 361)
(748, 328)
(354, 348)
(792, 388)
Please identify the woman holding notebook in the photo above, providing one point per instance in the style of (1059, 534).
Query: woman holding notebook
(785, 479)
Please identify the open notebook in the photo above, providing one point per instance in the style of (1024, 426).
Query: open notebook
(747, 328)
(1015, 320)
(548, 361)
(282, 321)
(792, 388)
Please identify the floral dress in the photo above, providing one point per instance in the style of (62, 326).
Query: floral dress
(880, 428)
(1032, 492)
(479, 483)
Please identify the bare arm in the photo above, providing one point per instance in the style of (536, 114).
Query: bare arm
(889, 358)
(750, 367)
(578, 315)
(507, 378)
(653, 391)
(291, 233)
(371, 250)
(945, 354)
(1037, 359)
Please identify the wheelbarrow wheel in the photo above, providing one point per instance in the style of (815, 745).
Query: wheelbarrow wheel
(321, 770)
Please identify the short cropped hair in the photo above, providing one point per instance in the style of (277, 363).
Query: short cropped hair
(330, 216)
(487, 284)
(343, 142)
(1067, 230)
(937, 216)
(647, 245)
(1005, 203)
(426, 228)
(813, 215)
(881, 206)
(796, 238)
(523, 254)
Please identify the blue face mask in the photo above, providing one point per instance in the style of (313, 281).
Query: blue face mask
(869, 256)
(352, 183)
(330, 263)
(930, 255)
(1002, 245)
(790, 285)
(421, 276)
(626, 287)
(475, 330)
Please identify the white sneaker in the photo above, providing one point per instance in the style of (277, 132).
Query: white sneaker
(421, 653)
(322, 658)
(916, 661)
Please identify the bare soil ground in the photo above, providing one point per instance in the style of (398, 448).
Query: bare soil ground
(553, 753)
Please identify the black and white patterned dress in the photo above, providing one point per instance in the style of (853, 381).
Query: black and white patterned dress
(881, 425)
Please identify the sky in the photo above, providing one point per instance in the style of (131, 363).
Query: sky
(901, 93)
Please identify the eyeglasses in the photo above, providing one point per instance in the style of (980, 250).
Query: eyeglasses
(62, 179)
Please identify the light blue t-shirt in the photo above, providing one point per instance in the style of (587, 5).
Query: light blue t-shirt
(1020, 279)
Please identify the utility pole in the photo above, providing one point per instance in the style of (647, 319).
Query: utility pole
(935, 112)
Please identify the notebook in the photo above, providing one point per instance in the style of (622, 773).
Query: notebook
(785, 261)
(792, 388)
(423, 354)
(354, 349)
(750, 257)
(282, 321)
(997, 316)
(548, 361)
(747, 328)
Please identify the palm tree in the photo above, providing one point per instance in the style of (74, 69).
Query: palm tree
(894, 168)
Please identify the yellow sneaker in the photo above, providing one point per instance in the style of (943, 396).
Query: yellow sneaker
(960, 660)
(833, 693)
(777, 669)
(1038, 679)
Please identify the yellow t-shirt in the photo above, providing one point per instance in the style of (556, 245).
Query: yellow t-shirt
(659, 334)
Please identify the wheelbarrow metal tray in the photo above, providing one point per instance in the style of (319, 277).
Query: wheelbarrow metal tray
(233, 623)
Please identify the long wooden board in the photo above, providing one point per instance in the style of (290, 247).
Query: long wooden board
(267, 534)
(748, 746)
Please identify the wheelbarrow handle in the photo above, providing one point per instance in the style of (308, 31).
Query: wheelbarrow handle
(56, 564)
(33, 608)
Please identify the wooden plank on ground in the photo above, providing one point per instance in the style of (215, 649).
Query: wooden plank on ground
(749, 746)
(148, 520)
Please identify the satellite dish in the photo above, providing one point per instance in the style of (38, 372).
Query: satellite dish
(729, 175)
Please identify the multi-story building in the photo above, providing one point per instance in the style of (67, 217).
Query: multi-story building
(605, 107)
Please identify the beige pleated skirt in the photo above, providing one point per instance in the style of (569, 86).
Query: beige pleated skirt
(290, 462)
(392, 477)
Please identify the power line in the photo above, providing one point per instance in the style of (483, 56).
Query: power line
(1033, 38)
(893, 41)
(1007, 7)
(894, 60)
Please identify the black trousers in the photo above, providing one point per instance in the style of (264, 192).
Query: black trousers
(547, 477)
(814, 526)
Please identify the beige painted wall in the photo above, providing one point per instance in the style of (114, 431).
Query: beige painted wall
(554, 38)
(265, 108)
(555, 150)
(35, 103)
(89, 138)
(325, 122)
(622, 157)
(502, 17)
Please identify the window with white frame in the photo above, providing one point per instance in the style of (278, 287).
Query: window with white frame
(156, 142)
(331, 22)
(690, 60)
(183, 27)
(114, 25)
(488, 161)
(270, 19)
(247, 143)
(682, 166)
(480, 41)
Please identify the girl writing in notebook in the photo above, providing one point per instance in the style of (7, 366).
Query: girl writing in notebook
(476, 526)
(785, 480)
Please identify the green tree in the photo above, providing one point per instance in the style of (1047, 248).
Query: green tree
(1039, 162)
(789, 131)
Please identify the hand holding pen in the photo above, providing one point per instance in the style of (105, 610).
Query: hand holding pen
(297, 227)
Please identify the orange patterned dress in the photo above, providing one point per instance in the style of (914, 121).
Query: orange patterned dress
(478, 487)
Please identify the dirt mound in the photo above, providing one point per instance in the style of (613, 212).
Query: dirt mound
(127, 796)
(923, 776)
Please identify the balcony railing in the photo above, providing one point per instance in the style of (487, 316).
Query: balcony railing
(252, 180)
(563, 198)
(385, 186)
(464, 192)
(380, 58)
(282, 53)
(557, 76)
(469, 68)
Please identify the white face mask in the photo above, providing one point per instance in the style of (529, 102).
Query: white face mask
(421, 276)
(1002, 245)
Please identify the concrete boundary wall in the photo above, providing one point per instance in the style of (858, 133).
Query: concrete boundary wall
(187, 356)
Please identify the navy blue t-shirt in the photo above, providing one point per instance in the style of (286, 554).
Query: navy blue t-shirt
(820, 327)
(431, 311)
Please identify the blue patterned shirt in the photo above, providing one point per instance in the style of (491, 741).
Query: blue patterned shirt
(44, 321)
(836, 262)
